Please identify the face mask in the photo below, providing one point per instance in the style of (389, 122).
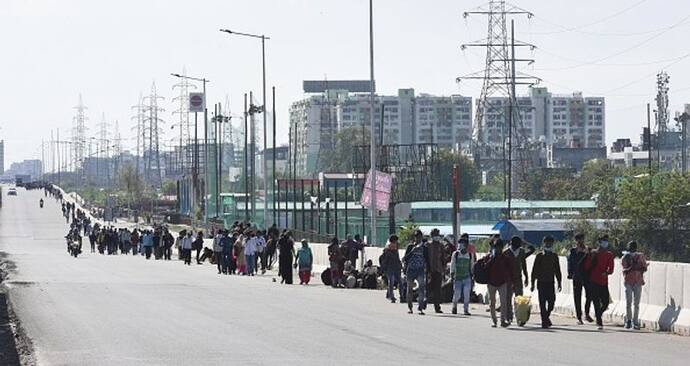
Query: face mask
(548, 249)
(515, 246)
(604, 244)
(436, 238)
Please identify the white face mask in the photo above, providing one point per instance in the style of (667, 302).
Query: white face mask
(604, 244)
(436, 238)
(548, 249)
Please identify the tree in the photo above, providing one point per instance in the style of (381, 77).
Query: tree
(340, 159)
(169, 187)
(131, 184)
(469, 175)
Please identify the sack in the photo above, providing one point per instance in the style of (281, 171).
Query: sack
(481, 270)
(523, 308)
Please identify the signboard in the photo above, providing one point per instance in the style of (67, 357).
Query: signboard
(196, 102)
(383, 186)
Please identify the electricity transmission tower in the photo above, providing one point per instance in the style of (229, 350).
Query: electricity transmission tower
(183, 124)
(662, 115)
(78, 135)
(494, 143)
(139, 130)
(102, 149)
(152, 136)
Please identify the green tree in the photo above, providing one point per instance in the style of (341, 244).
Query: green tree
(469, 175)
(169, 187)
(131, 184)
(341, 159)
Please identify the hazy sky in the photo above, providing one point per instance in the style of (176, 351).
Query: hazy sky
(110, 51)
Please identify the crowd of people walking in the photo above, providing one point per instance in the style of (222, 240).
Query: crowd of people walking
(431, 266)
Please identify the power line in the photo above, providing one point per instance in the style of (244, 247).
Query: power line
(565, 29)
(626, 50)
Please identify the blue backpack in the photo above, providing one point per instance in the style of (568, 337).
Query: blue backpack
(415, 261)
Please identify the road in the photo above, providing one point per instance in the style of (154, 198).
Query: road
(123, 310)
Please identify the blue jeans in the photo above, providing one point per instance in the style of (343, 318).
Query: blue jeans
(421, 291)
(462, 288)
(393, 279)
(250, 264)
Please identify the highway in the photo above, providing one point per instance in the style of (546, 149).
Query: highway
(124, 310)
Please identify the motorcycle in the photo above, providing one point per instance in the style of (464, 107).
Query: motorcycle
(73, 247)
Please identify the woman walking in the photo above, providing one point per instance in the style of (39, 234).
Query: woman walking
(304, 260)
(287, 253)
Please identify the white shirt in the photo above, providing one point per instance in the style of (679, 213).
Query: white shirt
(187, 242)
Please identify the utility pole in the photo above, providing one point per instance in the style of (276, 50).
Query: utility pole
(372, 138)
(246, 162)
(649, 142)
(273, 175)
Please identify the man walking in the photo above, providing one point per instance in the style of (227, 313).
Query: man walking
(218, 250)
(461, 264)
(437, 266)
(250, 250)
(500, 279)
(416, 261)
(598, 268)
(518, 255)
(576, 259)
(187, 248)
(546, 267)
(390, 266)
(634, 266)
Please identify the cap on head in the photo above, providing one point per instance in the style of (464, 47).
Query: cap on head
(548, 240)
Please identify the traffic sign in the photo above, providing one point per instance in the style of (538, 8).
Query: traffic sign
(196, 102)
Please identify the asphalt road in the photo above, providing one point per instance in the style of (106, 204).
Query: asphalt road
(123, 310)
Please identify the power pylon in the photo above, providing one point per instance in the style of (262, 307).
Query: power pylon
(103, 148)
(79, 134)
(662, 115)
(500, 79)
(183, 124)
(139, 130)
(152, 135)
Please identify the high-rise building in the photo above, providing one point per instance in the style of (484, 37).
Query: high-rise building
(407, 119)
(560, 120)
(2, 156)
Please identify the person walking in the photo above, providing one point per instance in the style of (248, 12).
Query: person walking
(239, 254)
(335, 258)
(286, 248)
(304, 260)
(598, 268)
(168, 242)
(634, 266)
(250, 249)
(517, 253)
(187, 247)
(92, 240)
(226, 243)
(501, 277)
(198, 244)
(576, 259)
(218, 251)
(437, 266)
(148, 243)
(461, 266)
(390, 264)
(416, 262)
(546, 267)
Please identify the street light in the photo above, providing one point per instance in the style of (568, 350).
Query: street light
(263, 39)
(195, 174)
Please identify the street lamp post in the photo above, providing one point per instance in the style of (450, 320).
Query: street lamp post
(195, 174)
(372, 138)
(263, 74)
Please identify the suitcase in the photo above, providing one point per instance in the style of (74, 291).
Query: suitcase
(523, 308)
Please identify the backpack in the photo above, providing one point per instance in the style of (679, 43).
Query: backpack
(416, 262)
(481, 270)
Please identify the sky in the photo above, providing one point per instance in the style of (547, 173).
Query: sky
(111, 51)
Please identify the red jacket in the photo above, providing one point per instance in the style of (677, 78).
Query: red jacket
(602, 268)
(501, 270)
